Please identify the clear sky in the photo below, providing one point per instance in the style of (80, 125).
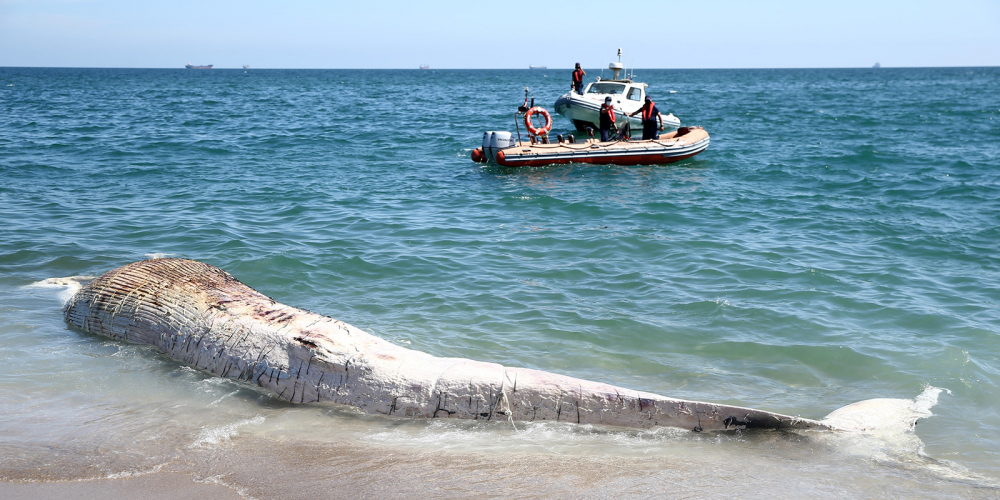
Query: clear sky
(482, 34)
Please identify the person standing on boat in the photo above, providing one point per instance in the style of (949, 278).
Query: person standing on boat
(650, 115)
(607, 116)
(578, 75)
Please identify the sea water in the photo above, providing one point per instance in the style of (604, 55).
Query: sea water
(838, 241)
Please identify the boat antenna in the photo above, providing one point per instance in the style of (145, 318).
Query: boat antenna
(522, 109)
(517, 127)
(624, 67)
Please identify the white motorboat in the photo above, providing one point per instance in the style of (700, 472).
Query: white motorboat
(626, 96)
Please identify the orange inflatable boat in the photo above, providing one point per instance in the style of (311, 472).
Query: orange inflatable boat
(500, 148)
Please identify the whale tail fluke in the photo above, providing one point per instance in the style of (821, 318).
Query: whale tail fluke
(884, 416)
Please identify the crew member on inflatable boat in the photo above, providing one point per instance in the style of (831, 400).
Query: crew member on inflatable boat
(578, 79)
(607, 115)
(650, 115)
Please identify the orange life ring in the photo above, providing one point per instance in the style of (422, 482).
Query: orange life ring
(531, 127)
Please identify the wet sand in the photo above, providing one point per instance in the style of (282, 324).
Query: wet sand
(265, 469)
(165, 486)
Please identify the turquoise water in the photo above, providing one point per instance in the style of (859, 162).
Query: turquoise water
(837, 242)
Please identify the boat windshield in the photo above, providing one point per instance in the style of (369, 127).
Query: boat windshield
(606, 88)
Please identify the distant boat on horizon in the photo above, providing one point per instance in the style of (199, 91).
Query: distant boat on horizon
(877, 65)
(532, 66)
(246, 66)
(425, 66)
(191, 66)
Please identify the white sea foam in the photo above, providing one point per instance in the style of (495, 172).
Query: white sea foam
(69, 285)
(527, 437)
(219, 480)
(134, 473)
(223, 398)
(159, 255)
(214, 435)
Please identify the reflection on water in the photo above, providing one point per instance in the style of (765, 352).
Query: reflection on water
(629, 186)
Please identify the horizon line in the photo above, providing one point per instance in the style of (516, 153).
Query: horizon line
(486, 69)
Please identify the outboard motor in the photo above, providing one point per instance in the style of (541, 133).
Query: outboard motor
(486, 142)
(497, 140)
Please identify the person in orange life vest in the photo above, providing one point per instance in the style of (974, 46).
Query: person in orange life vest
(650, 115)
(578, 79)
(607, 115)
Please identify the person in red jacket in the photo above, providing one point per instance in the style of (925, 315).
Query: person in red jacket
(650, 115)
(607, 117)
(578, 79)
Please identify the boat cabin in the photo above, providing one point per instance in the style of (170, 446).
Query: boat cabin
(617, 89)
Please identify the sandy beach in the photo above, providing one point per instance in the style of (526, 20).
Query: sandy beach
(252, 468)
(172, 486)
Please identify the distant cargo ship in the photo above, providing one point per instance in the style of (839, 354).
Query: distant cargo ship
(425, 66)
(245, 66)
(191, 66)
(531, 66)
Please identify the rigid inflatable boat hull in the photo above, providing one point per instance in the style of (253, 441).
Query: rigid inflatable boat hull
(669, 149)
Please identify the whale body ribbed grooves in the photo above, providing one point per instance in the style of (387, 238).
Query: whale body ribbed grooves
(201, 315)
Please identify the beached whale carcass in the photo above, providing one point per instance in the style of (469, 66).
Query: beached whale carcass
(201, 315)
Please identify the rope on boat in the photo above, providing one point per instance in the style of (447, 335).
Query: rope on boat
(589, 146)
